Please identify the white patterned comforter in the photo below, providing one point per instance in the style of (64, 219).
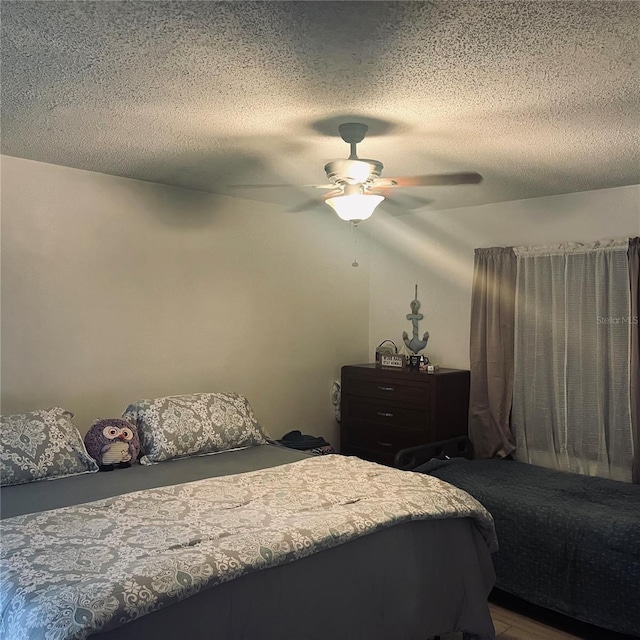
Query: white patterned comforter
(70, 572)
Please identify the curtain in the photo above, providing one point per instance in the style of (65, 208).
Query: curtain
(571, 400)
(491, 352)
(634, 281)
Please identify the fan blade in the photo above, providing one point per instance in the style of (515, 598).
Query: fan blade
(316, 202)
(400, 204)
(279, 186)
(382, 183)
(309, 205)
(332, 194)
(434, 180)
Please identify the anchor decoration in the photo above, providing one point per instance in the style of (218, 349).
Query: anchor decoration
(415, 344)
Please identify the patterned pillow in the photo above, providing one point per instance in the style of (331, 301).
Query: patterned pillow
(41, 445)
(194, 424)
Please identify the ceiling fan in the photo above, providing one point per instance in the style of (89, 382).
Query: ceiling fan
(357, 186)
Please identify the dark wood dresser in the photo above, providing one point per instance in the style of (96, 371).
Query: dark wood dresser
(385, 410)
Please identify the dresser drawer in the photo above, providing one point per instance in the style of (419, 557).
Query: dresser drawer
(381, 457)
(381, 412)
(382, 441)
(415, 394)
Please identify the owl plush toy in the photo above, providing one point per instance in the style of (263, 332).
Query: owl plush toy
(112, 443)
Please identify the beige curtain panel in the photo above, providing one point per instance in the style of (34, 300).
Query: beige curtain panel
(491, 352)
(634, 281)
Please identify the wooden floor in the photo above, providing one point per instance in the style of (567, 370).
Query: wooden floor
(513, 626)
(515, 619)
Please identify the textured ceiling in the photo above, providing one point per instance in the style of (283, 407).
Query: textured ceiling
(539, 97)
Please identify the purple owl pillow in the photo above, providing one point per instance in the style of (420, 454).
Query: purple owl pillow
(112, 442)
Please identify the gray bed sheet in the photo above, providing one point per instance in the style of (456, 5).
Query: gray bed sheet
(408, 582)
(64, 492)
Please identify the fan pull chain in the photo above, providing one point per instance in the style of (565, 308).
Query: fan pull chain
(354, 238)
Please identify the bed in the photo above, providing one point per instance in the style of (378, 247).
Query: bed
(412, 560)
(568, 542)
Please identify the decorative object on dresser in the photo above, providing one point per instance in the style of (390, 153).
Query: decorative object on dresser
(414, 344)
(395, 361)
(386, 349)
(386, 410)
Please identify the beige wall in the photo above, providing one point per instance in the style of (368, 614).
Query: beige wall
(435, 250)
(115, 289)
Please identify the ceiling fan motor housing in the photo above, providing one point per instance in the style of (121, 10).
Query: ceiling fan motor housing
(353, 132)
(353, 171)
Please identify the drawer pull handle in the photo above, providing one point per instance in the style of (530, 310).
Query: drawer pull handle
(385, 414)
(385, 388)
(385, 444)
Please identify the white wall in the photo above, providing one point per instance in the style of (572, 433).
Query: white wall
(435, 249)
(116, 289)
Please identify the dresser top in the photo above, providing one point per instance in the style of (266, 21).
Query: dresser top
(416, 372)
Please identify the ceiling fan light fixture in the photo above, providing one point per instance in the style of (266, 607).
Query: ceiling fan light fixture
(354, 207)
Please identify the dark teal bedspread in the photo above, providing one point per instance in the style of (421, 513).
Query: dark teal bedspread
(568, 542)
